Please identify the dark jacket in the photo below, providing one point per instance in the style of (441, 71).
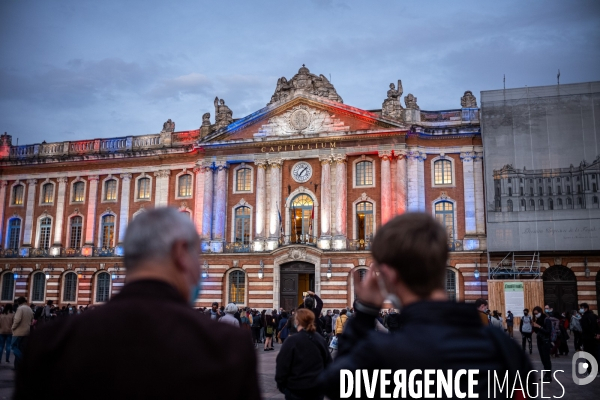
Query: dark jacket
(317, 311)
(543, 333)
(433, 335)
(300, 361)
(145, 343)
(589, 326)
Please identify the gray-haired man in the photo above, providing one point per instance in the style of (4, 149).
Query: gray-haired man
(147, 338)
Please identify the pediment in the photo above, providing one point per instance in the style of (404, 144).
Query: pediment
(300, 117)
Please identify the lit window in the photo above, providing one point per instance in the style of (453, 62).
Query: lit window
(18, 194)
(364, 173)
(102, 287)
(444, 213)
(78, 192)
(443, 172)
(364, 219)
(110, 189)
(237, 287)
(144, 188)
(242, 225)
(243, 179)
(108, 231)
(14, 233)
(47, 193)
(45, 227)
(185, 185)
(76, 228)
(70, 287)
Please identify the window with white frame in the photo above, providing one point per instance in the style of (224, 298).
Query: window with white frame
(242, 225)
(364, 221)
(70, 287)
(243, 180)
(76, 229)
(237, 287)
(107, 231)
(364, 173)
(18, 195)
(102, 287)
(78, 192)
(451, 284)
(185, 185)
(45, 229)
(38, 286)
(442, 172)
(8, 287)
(47, 193)
(110, 190)
(143, 186)
(14, 233)
(444, 214)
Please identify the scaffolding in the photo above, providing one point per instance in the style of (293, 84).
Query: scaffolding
(515, 266)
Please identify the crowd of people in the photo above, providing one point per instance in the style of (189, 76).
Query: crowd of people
(165, 348)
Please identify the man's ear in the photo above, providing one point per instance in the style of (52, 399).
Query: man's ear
(179, 254)
(390, 274)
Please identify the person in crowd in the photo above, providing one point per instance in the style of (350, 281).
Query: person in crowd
(282, 328)
(121, 338)
(327, 322)
(496, 322)
(214, 312)
(336, 315)
(340, 322)
(410, 255)
(542, 327)
(482, 306)
(246, 318)
(575, 327)
(314, 303)
(393, 320)
(255, 326)
(6, 323)
(291, 324)
(301, 360)
(21, 328)
(269, 331)
(263, 325)
(229, 317)
(563, 348)
(590, 334)
(510, 321)
(526, 329)
(555, 336)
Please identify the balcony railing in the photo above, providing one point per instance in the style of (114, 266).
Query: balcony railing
(60, 252)
(9, 253)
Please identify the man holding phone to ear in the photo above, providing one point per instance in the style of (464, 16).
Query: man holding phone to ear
(410, 255)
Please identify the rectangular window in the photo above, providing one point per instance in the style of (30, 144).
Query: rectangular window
(243, 180)
(144, 188)
(78, 192)
(364, 173)
(185, 185)
(18, 194)
(443, 172)
(76, 227)
(110, 190)
(14, 233)
(48, 193)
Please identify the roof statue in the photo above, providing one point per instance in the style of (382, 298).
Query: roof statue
(206, 119)
(307, 83)
(223, 114)
(468, 100)
(169, 126)
(411, 102)
(391, 107)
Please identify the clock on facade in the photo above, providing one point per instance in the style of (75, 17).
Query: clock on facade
(301, 172)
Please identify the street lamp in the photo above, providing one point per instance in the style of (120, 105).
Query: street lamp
(476, 273)
(329, 269)
(50, 268)
(205, 270)
(261, 271)
(115, 270)
(80, 275)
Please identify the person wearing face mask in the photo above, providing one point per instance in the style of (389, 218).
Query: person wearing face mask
(542, 326)
(590, 331)
(576, 329)
(526, 329)
(148, 336)
(410, 254)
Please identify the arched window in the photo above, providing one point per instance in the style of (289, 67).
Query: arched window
(361, 276)
(302, 219)
(364, 221)
(444, 213)
(76, 229)
(47, 193)
(78, 192)
(237, 287)
(39, 284)
(451, 284)
(14, 233)
(532, 204)
(509, 206)
(102, 287)
(522, 202)
(443, 172)
(550, 204)
(186, 213)
(364, 173)
(110, 190)
(242, 225)
(559, 202)
(45, 228)
(143, 188)
(70, 286)
(595, 200)
(579, 201)
(108, 231)
(569, 203)
(18, 193)
(8, 287)
(185, 185)
(541, 204)
(243, 180)
(510, 191)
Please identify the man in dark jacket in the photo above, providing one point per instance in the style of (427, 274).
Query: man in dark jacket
(314, 303)
(590, 333)
(542, 326)
(410, 254)
(147, 341)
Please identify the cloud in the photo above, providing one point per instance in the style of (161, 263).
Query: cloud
(175, 88)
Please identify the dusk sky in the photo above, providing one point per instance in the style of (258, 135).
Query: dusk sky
(79, 69)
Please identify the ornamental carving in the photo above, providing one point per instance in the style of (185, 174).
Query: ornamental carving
(298, 254)
(411, 102)
(298, 120)
(391, 107)
(304, 83)
(169, 126)
(62, 179)
(223, 114)
(468, 100)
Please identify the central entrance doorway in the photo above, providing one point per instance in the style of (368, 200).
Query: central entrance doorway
(296, 278)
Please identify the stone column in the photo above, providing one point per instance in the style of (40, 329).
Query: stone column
(274, 224)
(124, 213)
(207, 207)
(386, 186)
(161, 196)
(90, 219)
(469, 193)
(479, 200)
(325, 239)
(421, 178)
(3, 185)
(402, 182)
(220, 210)
(339, 241)
(261, 202)
(29, 215)
(60, 215)
(198, 198)
(412, 158)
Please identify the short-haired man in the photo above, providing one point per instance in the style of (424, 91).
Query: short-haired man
(147, 341)
(410, 258)
(590, 334)
(482, 306)
(21, 328)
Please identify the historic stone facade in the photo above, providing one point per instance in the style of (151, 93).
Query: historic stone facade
(285, 200)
